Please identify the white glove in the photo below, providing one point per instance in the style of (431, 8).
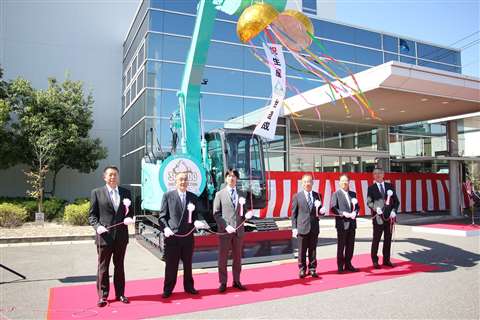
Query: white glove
(353, 215)
(101, 229)
(393, 214)
(346, 214)
(230, 229)
(168, 232)
(323, 210)
(199, 224)
(128, 221)
(379, 211)
(294, 233)
(249, 215)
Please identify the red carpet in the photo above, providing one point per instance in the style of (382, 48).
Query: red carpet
(264, 283)
(453, 226)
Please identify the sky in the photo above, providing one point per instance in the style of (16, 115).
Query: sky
(454, 23)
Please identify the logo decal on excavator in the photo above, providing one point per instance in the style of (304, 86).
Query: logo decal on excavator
(182, 164)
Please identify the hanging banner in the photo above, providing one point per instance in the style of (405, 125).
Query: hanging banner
(268, 124)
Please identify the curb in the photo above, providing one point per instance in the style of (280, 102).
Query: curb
(50, 239)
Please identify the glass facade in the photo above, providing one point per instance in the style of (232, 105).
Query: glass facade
(235, 83)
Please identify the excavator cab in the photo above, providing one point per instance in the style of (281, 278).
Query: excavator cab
(240, 150)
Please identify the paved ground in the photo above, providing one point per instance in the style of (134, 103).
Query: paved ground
(51, 231)
(451, 293)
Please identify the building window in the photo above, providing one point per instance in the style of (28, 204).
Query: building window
(390, 43)
(407, 47)
(310, 6)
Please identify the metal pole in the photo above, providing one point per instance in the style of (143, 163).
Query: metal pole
(453, 169)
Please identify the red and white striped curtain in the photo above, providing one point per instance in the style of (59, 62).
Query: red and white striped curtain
(416, 191)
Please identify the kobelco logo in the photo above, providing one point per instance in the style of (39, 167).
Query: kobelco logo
(175, 165)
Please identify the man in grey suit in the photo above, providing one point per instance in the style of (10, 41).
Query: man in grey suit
(305, 226)
(226, 211)
(345, 206)
(383, 201)
(177, 228)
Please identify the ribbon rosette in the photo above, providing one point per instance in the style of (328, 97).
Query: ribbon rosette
(354, 203)
(241, 202)
(317, 203)
(127, 202)
(190, 208)
(389, 194)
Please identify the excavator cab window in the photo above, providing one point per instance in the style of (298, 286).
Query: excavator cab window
(215, 153)
(244, 152)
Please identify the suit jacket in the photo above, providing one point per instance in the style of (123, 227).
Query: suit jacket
(103, 213)
(339, 204)
(304, 219)
(173, 216)
(225, 213)
(375, 200)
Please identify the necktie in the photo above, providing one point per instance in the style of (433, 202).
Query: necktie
(382, 190)
(115, 199)
(183, 201)
(232, 197)
(309, 201)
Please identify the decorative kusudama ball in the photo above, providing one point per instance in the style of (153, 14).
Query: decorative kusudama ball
(292, 27)
(307, 23)
(254, 20)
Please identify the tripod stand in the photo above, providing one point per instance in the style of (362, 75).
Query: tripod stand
(13, 271)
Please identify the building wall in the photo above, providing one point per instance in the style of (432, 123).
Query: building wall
(40, 39)
(235, 83)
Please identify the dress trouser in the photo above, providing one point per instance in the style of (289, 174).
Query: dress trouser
(345, 246)
(307, 242)
(177, 249)
(378, 229)
(234, 243)
(105, 254)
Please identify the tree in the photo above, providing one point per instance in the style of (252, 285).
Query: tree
(34, 130)
(52, 126)
(9, 154)
(74, 119)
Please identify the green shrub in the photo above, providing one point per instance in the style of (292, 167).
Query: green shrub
(81, 200)
(53, 208)
(77, 214)
(31, 207)
(12, 215)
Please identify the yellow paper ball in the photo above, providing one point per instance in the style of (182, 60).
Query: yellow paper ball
(254, 20)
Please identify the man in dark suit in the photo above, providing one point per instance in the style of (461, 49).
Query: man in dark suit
(305, 226)
(107, 215)
(177, 226)
(383, 201)
(227, 213)
(345, 206)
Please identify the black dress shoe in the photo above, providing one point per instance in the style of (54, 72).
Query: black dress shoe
(239, 286)
(166, 294)
(314, 273)
(102, 302)
(191, 291)
(123, 299)
(352, 269)
(376, 265)
(340, 271)
(388, 264)
(222, 288)
(301, 274)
